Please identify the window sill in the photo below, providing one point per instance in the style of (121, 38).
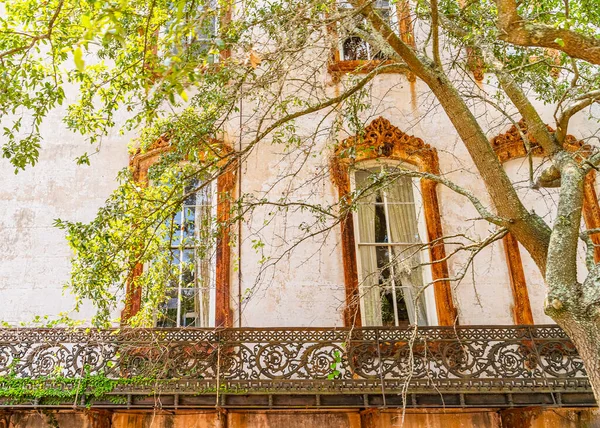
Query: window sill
(359, 66)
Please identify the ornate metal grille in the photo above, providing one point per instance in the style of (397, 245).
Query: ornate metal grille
(430, 360)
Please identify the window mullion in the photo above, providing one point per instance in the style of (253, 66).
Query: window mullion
(181, 252)
(390, 258)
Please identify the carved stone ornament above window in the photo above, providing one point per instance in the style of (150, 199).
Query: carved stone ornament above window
(510, 145)
(382, 139)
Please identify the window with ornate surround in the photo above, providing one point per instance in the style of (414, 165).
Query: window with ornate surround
(351, 53)
(383, 143)
(206, 303)
(389, 223)
(509, 146)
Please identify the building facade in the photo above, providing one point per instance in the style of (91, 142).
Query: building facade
(272, 326)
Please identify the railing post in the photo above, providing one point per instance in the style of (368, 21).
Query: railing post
(381, 380)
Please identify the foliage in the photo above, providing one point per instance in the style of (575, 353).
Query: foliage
(59, 389)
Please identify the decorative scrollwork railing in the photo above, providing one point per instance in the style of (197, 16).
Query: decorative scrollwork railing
(301, 360)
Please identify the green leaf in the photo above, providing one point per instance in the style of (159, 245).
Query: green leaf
(78, 56)
(560, 42)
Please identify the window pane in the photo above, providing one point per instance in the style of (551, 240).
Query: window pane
(400, 190)
(383, 266)
(190, 308)
(387, 308)
(188, 230)
(192, 262)
(355, 48)
(403, 216)
(167, 316)
(369, 286)
(409, 280)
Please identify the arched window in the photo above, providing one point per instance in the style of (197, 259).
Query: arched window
(389, 226)
(191, 290)
(198, 288)
(352, 53)
(509, 146)
(385, 266)
(354, 47)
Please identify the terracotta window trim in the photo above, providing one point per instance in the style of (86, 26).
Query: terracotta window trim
(382, 140)
(509, 146)
(139, 164)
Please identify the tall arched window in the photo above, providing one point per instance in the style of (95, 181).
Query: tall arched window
(390, 256)
(191, 290)
(383, 264)
(198, 287)
(509, 146)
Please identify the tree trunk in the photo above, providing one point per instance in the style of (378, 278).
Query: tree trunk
(584, 331)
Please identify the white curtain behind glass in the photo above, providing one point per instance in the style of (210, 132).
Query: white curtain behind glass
(405, 229)
(369, 288)
(404, 260)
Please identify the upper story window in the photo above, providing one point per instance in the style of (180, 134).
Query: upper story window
(194, 245)
(193, 29)
(355, 48)
(191, 290)
(390, 254)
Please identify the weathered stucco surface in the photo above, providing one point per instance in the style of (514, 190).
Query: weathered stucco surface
(306, 288)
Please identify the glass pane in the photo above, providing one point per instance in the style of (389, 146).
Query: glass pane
(403, 216)
(407, 261)
(190, 187)
(167, 316)
(409, 280)
(174, 229)
(400, 190)
(189, 226)
(190, 308)
(369, 286)
(188, 269)
(381, 232)
(355, 48)
(387, 308)
(383, 265)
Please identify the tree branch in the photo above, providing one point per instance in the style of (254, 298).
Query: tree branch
(529, 229)
(35, 39)
(518, 31)
(585, 100)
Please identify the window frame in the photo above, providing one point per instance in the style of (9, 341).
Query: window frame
(382, 140)
(428, 294)
(139, 164)
(181, 248)
(399, 14)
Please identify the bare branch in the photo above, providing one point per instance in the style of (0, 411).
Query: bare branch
(580, 103)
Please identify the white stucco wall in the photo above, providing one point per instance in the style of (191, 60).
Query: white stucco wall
(306, 288)
(34, 255)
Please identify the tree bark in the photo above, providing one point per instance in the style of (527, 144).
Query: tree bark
(527, 227)
(518, 31)
(585, 334)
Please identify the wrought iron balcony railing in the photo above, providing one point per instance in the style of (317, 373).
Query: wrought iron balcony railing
(491, 366)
